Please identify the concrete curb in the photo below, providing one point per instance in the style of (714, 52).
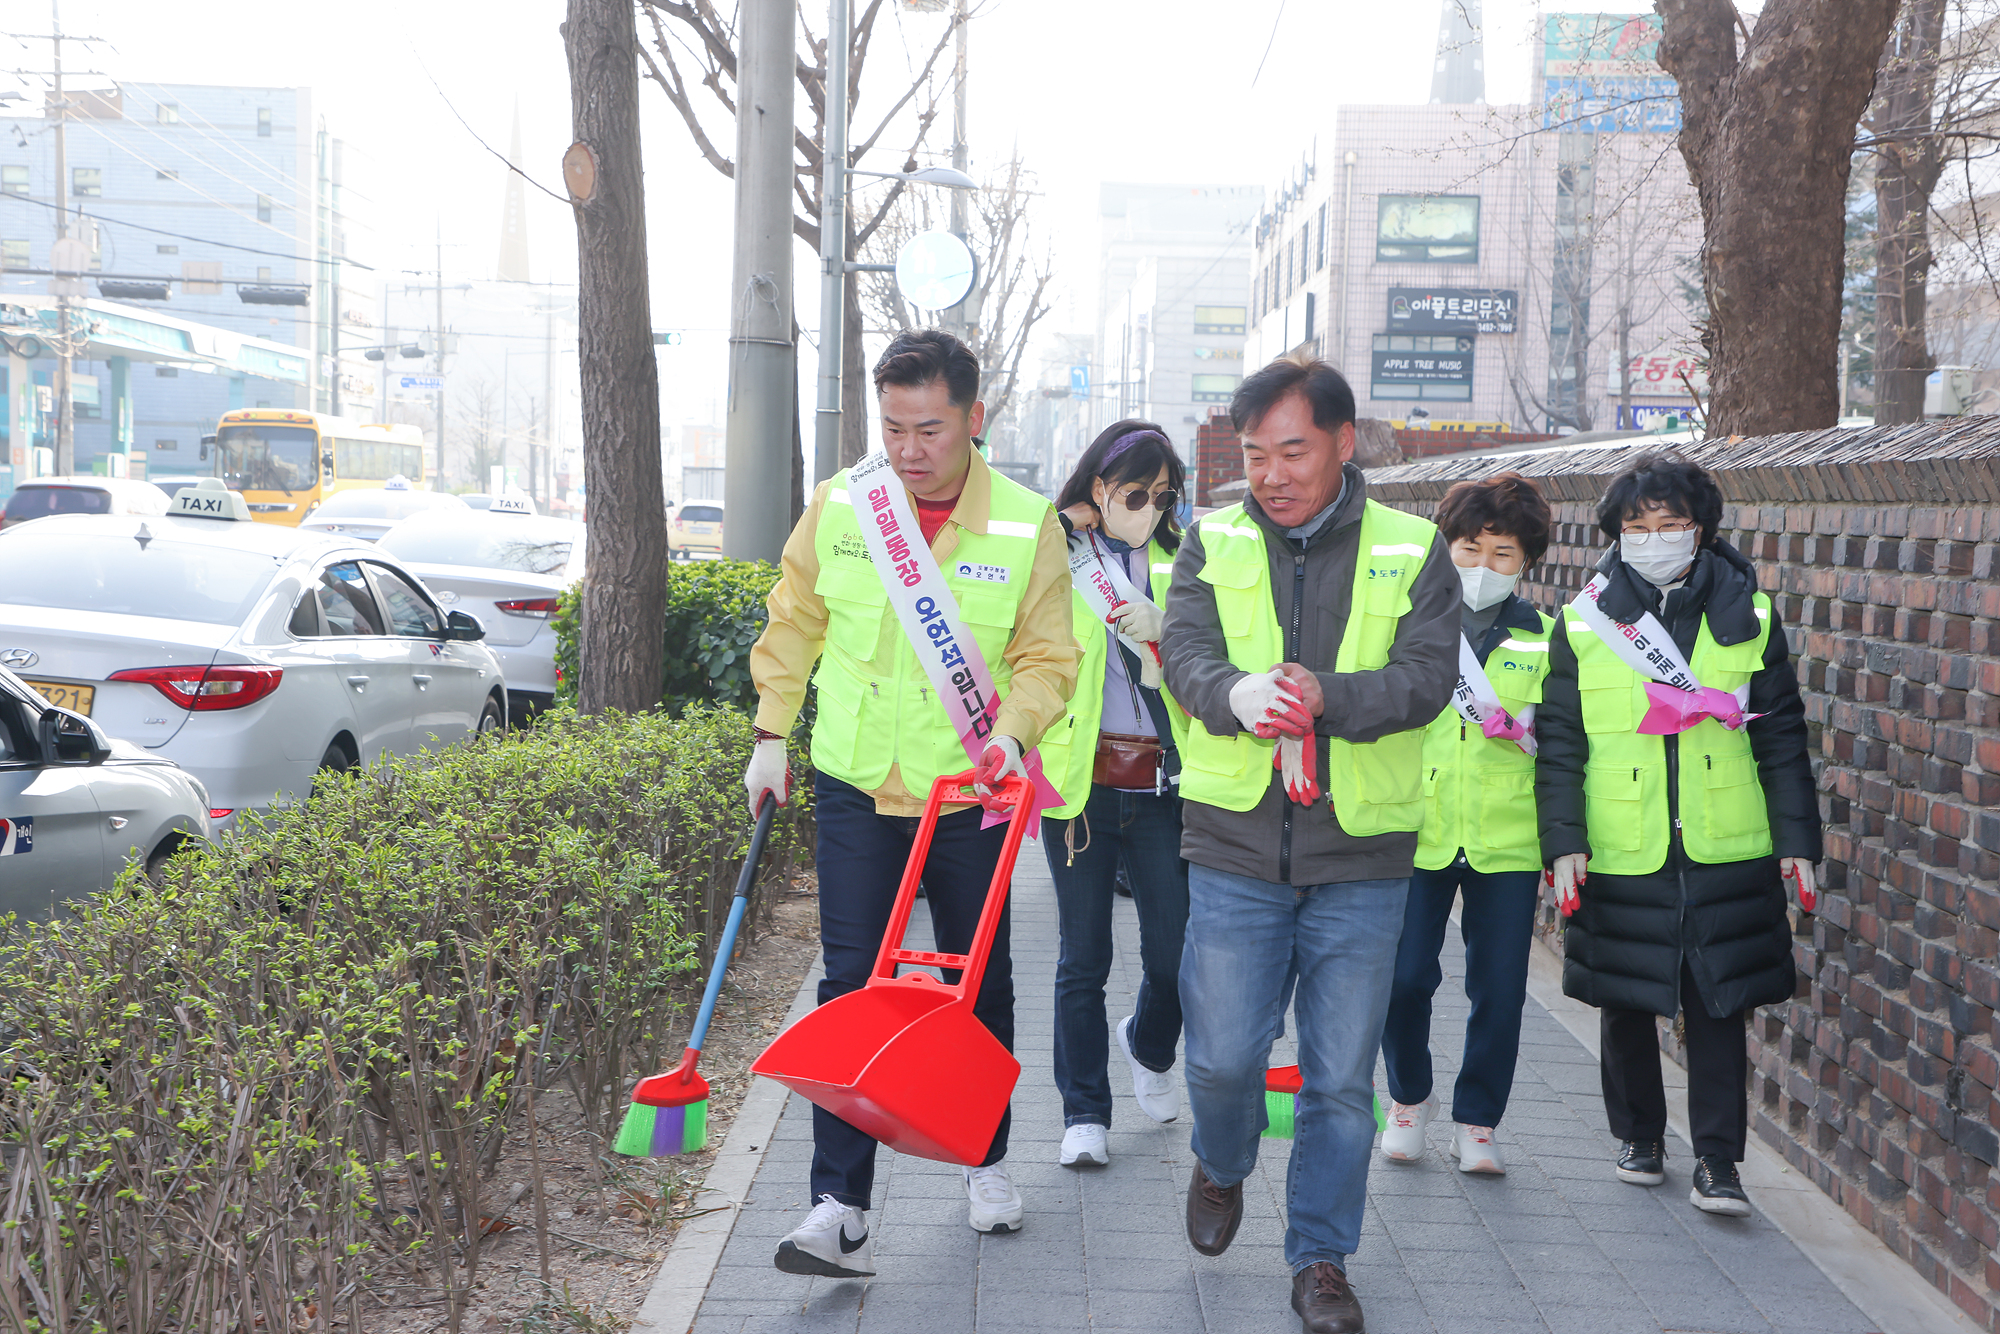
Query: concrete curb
(675, 1297)
(1877, 1280)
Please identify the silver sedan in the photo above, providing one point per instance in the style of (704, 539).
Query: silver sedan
(77, 807)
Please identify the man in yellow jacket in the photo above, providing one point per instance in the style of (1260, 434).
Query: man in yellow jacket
(886, 728)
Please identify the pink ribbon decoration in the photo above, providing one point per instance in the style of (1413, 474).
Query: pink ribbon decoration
(1503, 726)
(1671, 712)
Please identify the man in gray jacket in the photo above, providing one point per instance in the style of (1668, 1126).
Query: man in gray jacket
(1312, 635)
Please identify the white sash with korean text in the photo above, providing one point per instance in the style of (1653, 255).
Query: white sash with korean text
(1479, 704)
(1100, 577)
(928, 613)
(1647, 648)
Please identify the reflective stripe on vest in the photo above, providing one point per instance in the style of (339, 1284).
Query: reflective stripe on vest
(1722, 810)
(1479, 794)
(876, 709)
(1069, 751)
(1375, 788)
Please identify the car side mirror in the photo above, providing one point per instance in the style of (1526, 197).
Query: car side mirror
(463, 625)
(71, 738)
(326, 462)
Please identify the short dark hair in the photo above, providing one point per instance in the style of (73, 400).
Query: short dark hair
(1141, 461)
(1664, 478)
(1507, 504)
(1325, 388)
(925, 356)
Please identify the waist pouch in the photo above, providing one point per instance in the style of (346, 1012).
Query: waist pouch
(1134, 763)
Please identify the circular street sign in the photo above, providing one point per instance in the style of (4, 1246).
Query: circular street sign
(934, 270)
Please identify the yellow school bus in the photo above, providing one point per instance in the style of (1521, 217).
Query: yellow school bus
(286, 462)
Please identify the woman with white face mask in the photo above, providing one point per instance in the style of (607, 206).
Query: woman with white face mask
(1116, 762)
(1676, 799)
(1479, 837)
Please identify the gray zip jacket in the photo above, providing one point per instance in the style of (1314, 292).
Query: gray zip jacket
(1312, 583)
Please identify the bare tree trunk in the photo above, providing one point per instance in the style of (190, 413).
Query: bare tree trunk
(625, 593)
(1768, 138)
(1909, 160)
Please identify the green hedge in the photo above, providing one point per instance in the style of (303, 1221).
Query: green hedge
(715, 611)
(234, 1098)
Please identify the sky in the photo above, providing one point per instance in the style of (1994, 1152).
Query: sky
(1166, 91)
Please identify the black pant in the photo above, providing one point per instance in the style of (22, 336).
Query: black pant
(860, 859)
(1718, 1067)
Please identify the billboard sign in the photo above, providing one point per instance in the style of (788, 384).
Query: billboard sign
(1653, 416)
(1432, 367)
(1452, 310)
(1427, 229)
(1601, 75)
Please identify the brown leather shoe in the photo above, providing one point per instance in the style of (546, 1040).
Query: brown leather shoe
(1213, 1213)
(1325, 1301)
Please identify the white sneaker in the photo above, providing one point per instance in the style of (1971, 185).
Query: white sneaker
(996, 1205)
(1084, 1144)
(1476, 1151)
(1403, 1137)
(833, 1242)
(1156, 1093)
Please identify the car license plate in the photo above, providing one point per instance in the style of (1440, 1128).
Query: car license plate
(77, 698)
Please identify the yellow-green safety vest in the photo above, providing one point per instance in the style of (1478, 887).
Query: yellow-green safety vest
(869, 720)
(1069, 751)
(1479, 792)
(1722, 812)
(1375, 788)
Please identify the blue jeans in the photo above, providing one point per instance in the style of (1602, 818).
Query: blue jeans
(1145, 830)
(1247, 941)
(860, 859)
(1497, 925)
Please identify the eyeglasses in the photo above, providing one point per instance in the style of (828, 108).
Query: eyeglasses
(1638, 537)
(1136, 498)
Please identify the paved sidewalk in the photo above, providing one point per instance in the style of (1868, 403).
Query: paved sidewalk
(1558, 1245)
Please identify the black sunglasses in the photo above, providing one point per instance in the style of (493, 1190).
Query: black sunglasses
(1137, 497)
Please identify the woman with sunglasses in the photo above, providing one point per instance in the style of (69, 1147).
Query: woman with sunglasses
(1116, 763)
(1675, 798)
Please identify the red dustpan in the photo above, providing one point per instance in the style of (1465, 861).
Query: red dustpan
(904, 1058)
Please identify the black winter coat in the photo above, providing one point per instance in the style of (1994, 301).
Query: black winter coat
(1625, 944)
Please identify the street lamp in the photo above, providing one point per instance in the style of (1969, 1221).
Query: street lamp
(834, 265)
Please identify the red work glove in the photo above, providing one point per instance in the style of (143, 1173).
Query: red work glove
(1001, 761)
(1567, 878)
(1800, 872)
(1297, 758)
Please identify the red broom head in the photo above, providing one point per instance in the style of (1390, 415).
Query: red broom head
(675, 1088)
(1282, 1079)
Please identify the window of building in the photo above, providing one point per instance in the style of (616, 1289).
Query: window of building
(86, 182)
(1320, 229)
(169, 114)
(167, 445)
(14, 254)
(166, 372)
(263, 208)
(166, 250)
(263, 274)
(263, 122)
(13, 180)
(201, 277)
(1421, 366)
(1305, 252)
(1215, 388)
(162, 174)
(1427, 229)
(1218, 319)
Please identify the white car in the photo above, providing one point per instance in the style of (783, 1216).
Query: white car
(252, 655)
(45, 496)
(367, 512)
(77, 806)
(508, 569)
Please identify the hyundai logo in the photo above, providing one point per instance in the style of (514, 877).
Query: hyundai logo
(19, 657)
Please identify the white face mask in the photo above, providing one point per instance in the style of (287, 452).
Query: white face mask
(1662, 558)
(1484, 587)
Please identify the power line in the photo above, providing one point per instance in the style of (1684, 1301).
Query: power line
(175, 176)
(159, 89)
(203, 240)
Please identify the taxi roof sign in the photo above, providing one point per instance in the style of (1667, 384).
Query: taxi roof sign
(397, 483)
(512, 503)
(210, 499)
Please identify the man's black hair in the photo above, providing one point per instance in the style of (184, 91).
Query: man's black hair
(925, 356)
(1325, 388)
(1141, 462)
(1664, 479)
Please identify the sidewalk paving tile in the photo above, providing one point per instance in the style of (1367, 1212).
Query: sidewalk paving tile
(1557, 1246)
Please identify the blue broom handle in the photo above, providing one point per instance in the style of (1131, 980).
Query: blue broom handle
(727, 946)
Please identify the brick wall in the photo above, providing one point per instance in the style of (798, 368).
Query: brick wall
(1879, 547)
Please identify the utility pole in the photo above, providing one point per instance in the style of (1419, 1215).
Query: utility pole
(833, 246)
(961, 317)
(762, 356)
(548, 395)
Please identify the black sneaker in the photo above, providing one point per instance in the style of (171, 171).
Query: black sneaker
(1643, 1162)
(1717, 1189)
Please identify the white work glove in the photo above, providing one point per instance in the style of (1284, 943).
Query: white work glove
(1138, 625)
(768, 772)
(1001, 761)
(1297, 759)
(1800, 872)
(1268, 705)
(1568, 878)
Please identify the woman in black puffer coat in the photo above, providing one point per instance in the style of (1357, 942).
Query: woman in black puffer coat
(1671, 820)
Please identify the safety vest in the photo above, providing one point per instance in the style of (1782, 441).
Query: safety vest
(1479, 792)
(1375, 788)
(1721, 801)
(876, 706)
(1069, 750)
